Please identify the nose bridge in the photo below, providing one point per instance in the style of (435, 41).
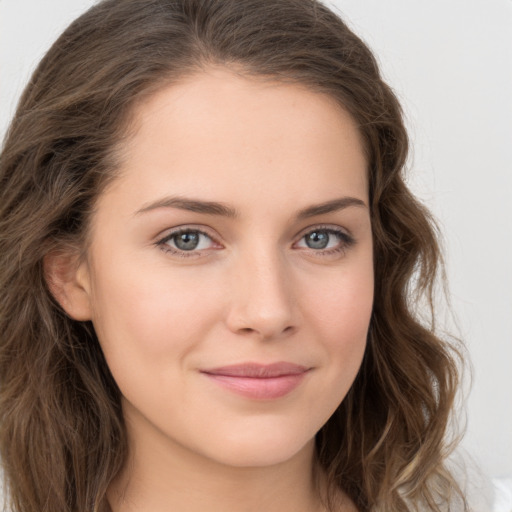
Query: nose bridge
(262, 300)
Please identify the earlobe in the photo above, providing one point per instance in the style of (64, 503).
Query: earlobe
(69, 283)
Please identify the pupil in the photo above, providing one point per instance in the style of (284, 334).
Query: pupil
(187, 241)
(317, 240)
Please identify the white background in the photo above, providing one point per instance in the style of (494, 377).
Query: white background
(450, 63)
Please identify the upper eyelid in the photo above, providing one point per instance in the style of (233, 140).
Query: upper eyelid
(170, 232)
(326, 227)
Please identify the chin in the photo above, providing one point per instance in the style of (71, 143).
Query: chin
(262, 450)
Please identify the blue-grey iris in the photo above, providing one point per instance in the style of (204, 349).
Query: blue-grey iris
(187, 241)
(317, 239)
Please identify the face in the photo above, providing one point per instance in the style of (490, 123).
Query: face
(230, 276)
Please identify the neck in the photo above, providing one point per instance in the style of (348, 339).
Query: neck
(162, 476)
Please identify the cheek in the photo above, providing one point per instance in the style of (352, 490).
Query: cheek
(339, 314)
(151, 312)
(342, 303)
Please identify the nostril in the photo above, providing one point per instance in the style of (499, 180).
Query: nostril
(269, 333)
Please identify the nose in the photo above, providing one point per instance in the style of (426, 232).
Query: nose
(262, 302)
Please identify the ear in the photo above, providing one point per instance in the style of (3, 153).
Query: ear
(69, 282)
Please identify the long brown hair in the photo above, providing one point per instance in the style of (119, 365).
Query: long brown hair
(62, 437)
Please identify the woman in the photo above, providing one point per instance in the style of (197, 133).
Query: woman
(210, 266)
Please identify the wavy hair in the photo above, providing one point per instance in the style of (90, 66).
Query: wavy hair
(62, 436)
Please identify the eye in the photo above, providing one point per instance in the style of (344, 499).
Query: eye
(328, 240)
(187, 241)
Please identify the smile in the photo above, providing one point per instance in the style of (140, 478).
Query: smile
(257, 381)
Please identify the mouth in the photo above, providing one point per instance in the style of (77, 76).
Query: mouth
(259, 381)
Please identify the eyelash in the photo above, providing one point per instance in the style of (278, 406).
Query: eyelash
(346, 241)
(163, 245)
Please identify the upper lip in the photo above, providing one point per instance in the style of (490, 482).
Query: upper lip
(257, 370)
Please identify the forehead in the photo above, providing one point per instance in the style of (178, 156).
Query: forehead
(220, 128)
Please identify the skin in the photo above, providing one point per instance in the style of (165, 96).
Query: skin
(253, 291)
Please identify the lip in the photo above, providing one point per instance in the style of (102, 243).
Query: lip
(259, 381)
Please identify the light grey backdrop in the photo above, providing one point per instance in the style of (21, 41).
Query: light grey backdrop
(451, 65)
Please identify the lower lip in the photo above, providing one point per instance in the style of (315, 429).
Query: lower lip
(259, 388)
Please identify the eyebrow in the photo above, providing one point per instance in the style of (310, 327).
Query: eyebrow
(330, 206)
(223, 210)
(191, 205)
